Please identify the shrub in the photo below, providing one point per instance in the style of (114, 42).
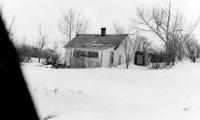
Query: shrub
(51, 57)
(24, 52)
(157, 65)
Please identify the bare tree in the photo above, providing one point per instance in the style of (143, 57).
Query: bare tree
(168, 26)
(42, 41)
(143, 44)
(118, 29)
(10, 26)
(192, 49)
(129, 51)
(128, 44)
(72, 24)
(133, 44)
(10, 32)
(130, 47)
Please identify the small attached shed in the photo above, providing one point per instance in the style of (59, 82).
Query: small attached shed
(141, 58)
(95, 50)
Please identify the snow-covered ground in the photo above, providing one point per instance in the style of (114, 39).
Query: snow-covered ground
(137, 93)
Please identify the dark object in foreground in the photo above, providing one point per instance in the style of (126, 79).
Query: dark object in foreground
(16, 102)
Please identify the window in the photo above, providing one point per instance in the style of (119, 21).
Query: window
(95, 54)
(76, 53)
(83, 53)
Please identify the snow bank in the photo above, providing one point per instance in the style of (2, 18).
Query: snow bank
(116, 94)
(131, 66)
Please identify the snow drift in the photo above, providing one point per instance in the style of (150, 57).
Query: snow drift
(116, 93)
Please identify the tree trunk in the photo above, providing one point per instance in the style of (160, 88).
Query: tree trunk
(39, 60)
(127, 65)
(193, 59)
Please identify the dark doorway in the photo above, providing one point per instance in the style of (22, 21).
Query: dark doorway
(120, 60)
(140, 58)
(111, 58)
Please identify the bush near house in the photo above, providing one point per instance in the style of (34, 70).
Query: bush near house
(52, 58)
(158, 60)
(158, 57)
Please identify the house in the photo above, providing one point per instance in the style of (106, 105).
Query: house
(96, 50)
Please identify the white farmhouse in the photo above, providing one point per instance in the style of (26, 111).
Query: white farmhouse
(96, 50)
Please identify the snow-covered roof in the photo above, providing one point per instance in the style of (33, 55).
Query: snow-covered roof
(96, 41)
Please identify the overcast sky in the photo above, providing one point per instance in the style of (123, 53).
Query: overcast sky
(101, 13)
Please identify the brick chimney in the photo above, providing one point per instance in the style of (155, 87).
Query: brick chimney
(103, 31)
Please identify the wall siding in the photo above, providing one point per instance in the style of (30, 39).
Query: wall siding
(106, 57)
(68, 53)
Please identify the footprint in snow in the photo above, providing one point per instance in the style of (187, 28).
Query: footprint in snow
(79, 92)
(187, 108)
(73, 92)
